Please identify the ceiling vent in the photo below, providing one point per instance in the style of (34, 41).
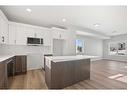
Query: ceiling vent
(58, 26)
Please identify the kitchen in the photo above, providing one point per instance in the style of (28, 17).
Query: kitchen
(15, 45)
(30, 45)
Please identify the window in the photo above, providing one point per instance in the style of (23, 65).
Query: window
(113, 49)
(79, 46)
(117, 48)
(121, 48)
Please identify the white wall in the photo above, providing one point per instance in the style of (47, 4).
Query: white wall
(120, 38)
(93, 46)
(69, 44)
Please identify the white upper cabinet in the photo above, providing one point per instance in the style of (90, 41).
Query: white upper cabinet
(34, 32)
(64, 34)
(12, 34)
(59, 33)
(56, 34)
(30, 32)
(21, 38)
(39, 33)
(18, 34)
(47, 38)
(3, 29)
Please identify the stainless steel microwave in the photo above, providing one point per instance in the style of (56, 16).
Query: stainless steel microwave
(34, 41)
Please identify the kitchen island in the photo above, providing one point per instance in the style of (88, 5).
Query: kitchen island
(63, 71)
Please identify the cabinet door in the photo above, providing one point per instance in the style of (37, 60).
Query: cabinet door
(3, 31)
(56, 34)
(39, 33)
(18, 65)
(63, 34)
(47, 38)
(12, 34)
(24, 64)
(21, 38)
(30, 32)
(5, 76)
(21, 64)
(2, 75)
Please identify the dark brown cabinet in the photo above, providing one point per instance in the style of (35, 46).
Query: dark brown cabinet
(3, 75)
(20, 64)
(61, 74)
(10, 67)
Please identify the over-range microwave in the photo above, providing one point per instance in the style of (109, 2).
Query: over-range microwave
(34, 41)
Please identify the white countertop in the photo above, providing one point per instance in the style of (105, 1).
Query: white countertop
(67, 58)
(5, 57)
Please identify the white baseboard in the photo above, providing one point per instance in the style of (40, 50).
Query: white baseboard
(115, 59)
(95, 59)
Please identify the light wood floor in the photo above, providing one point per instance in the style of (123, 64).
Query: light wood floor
(100, 71)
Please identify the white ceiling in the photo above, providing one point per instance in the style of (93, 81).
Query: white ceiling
(110, 18)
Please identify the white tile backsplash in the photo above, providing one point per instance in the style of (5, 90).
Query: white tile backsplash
(20, 49)
(35, 54)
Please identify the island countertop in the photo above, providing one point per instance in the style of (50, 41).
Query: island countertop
(63, 71)
(67, 58)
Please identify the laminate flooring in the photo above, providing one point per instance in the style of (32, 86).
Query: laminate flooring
(101, 70)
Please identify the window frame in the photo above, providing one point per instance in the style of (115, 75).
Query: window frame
(83, 46)
(117, 54)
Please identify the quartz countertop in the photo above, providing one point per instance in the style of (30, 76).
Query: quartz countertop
(5, 57)
(67, 58)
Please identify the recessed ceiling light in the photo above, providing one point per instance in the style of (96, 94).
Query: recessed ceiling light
(28, 10)
(64, 20)
(96, 25)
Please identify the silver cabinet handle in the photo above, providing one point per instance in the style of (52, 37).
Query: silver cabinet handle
(60, 35)
(2, 38)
